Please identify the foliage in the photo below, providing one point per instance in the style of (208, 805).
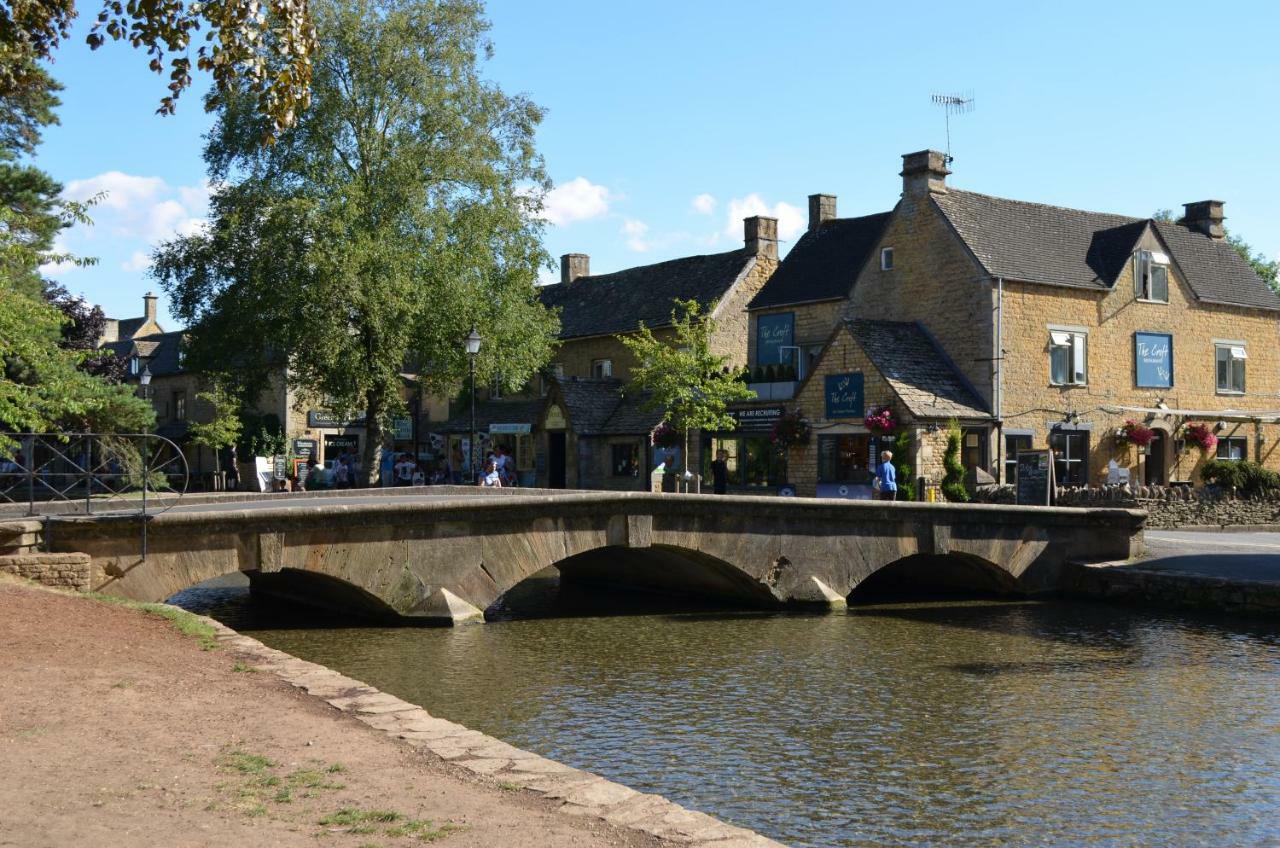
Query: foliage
(665, 436)
(82, 330)
(1135, 433)
(904, 473)
(223, 430)
(790, 430)
(264, 49)
(880, 420)
(1201, 435)
(400, 212)
(682, 378)
(1246, 478)
(953, 471)
(261, 434)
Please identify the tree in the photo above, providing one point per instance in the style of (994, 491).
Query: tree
(400, 212)
(691, 386)
(1267, 269)
(82, 330)
(224, 429)
(904, 473)
(953, 471)
(262, 48)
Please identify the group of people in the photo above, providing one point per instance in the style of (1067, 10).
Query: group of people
(406, 471)
(499, 469)
(884, 484)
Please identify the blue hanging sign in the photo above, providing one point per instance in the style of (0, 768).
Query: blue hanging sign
(1153, 360)
(844, 395)
(773, 333)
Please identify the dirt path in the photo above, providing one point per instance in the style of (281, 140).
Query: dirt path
(116, 730)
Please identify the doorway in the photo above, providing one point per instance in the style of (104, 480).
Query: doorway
(1154, 475)
(556, 460)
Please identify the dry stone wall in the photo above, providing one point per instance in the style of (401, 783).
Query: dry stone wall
(61, 571)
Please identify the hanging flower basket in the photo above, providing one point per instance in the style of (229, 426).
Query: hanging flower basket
(1136, 434)
(666, 436)
(880, 420)
(1202, 436)
(789, 431)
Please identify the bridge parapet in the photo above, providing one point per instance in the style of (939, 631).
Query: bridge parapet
(453, 557)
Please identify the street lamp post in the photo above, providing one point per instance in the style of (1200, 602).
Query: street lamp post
(472, 344)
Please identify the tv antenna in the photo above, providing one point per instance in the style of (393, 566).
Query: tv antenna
(953, 104)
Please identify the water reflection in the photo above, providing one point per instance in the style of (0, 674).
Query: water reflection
(966, 723)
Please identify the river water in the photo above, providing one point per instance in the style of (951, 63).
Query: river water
(944, 722)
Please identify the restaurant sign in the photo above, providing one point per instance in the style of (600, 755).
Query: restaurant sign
(773, 333)
(324, 419)
(509, 429)
(1153, 360)
(758, 419)
(844, 395)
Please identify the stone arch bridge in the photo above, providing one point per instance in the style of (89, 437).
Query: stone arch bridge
(448, 558)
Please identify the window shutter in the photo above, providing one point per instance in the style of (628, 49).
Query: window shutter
(1078, 357)
(1139, 274)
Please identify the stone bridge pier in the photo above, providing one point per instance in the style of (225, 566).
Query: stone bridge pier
(448, 559)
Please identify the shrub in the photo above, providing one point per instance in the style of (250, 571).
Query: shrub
(905, 473)
(1247, 479)
(953, 477)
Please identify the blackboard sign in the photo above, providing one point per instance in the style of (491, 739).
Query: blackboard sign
(304, 448)
(280, 467)
(1153, 360)
(760, 419)
(844, 395)
(1035, 477)
(773, 333)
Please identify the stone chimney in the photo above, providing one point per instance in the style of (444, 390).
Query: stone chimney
(761, 236)
(1204, 216)
(822, 208)
(573, 266)
(924, 173)
(149, 307)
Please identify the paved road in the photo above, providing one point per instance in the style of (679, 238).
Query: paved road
(1238, 556)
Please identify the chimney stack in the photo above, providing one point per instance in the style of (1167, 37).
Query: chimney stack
(924, 173)
(822, 208)
(149, 307)
(1205, 217)
(573, 266)
(760, 233)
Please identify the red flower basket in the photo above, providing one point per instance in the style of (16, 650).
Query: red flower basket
(880, 420)
(1201, 436)
(666, 436)
(1133, 433)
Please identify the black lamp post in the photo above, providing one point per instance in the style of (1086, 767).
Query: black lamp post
(472, 344)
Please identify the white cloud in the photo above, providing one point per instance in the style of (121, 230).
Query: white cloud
(577, 200)
(140, 209)
(704, 204)
(636, 233)
(790, 219)
(139, 261)
(119, 190)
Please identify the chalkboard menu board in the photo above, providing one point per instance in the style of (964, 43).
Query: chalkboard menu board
(844, 395)
(1153, 360)
(773, 333)
(1035, 477)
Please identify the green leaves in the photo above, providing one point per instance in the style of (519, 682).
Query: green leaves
(691, 386)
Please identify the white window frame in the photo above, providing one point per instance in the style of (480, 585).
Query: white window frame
(886, 259)
(1237, 351)
(601, 368)
(1225, 442)
(1145, 264)
(1075, 340)
(135, 365)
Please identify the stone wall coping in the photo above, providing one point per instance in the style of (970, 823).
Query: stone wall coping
(21, 527)
(567, 504)
(41, 558)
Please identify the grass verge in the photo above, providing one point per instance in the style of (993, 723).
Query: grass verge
(388, 823)
(188, 624)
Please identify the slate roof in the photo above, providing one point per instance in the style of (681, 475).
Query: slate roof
(1038, 243)
(917, 369)
(824, 263)
(630, 420)
(601, 407)
(604, 304)
(518, 411)
(160, 350)
(128, 326)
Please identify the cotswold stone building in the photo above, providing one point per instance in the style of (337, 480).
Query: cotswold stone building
(577, 427)
(1032, 325)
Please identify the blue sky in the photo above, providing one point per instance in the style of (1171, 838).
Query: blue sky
(667, 122)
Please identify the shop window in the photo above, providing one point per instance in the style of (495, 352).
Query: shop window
(846, 459)
(752, 460)
(1151, 276)
(180, 406)
(1070, 456)
(602, 368)
(1231, 360)
(1068, 357)
(730, 446)
(1013, 444)
(1233, 448)
(886, 259)
(808, 359)
(524, 452)
(626, 459)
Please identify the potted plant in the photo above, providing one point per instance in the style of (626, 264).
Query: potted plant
(1135, 433)
(665, 436)
(789, 431)
(1202, 436)
(880, 420)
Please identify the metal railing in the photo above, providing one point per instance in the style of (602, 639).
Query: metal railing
(91, 472)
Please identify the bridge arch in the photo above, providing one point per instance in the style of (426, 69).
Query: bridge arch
(936, 574)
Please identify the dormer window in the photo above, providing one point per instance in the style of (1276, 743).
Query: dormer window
(135, 366)
(886, 259)
(1151, 276)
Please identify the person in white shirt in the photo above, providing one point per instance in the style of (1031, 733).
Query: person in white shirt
(419, 479)
(404, 471)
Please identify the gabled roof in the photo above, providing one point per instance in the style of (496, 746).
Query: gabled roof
(604, 304)
(603, 407)
(128, 326)
(917, 370)
(824, 263)
(160, 350)
(1038, 243)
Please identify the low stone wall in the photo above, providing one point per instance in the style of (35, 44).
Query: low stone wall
(1167, 507)
(62, 571)
(20, 537)
(1152, 588)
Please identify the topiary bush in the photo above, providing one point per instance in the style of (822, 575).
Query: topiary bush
(905, 473)
(953, 472)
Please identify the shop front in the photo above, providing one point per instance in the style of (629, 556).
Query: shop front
(755, 464)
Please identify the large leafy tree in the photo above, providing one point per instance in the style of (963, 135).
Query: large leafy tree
(369, 239)
(681, 377)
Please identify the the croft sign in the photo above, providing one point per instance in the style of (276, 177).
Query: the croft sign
(844, 395)
(1153, 360)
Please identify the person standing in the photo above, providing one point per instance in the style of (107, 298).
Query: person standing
(887, 477)
(720, 472)
(341, 474)
(404, 471)
(669, 473)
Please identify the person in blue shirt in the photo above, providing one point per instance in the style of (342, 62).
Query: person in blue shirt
(887, 477)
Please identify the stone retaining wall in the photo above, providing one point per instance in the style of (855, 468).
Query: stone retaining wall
(20, 537)
(1152, 588)
(1167, 507)
(62, 571)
